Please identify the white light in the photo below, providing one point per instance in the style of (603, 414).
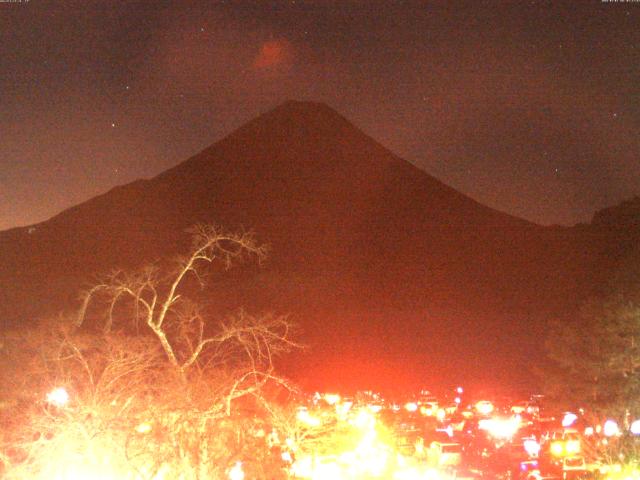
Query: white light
(236, 472)
(484, 407)
(532, 447)
(144, 427)
(58, 397)
(306, 418)
(499, 427)
(332, 398)
(610, 428)
(411, 406)
(569, 419)
(635, 427)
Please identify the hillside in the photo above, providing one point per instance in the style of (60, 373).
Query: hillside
(394, 277)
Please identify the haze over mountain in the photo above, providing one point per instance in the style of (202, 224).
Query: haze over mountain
(395, 278)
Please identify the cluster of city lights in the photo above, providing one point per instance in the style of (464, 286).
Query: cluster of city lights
(371, 451)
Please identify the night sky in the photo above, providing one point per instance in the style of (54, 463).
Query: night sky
(532, 108)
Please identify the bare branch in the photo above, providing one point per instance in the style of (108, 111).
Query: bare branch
(183, 337)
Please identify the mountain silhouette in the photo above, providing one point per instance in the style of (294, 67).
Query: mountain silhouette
(395, 279)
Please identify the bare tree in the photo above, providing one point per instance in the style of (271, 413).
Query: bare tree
(155, 294)
(180, 326)
(109, 380)
(158, 401)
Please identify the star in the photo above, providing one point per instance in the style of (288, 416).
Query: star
(113, 125)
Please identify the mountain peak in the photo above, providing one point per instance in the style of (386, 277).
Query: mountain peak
(305, 114)
(303, 110)
(304, 105)
(300, 138)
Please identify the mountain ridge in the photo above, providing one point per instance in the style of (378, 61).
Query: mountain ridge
(379, 261)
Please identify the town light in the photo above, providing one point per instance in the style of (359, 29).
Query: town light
(569, 419)
(484, 407)
(236, 472)
(610, 428)
(572, 447)
(306, 418)
(427, 410)
(411, 406)
(557, 448)
(144, 427)
(532, 447)
(58, 397)
(332, 398)
(502, 428)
